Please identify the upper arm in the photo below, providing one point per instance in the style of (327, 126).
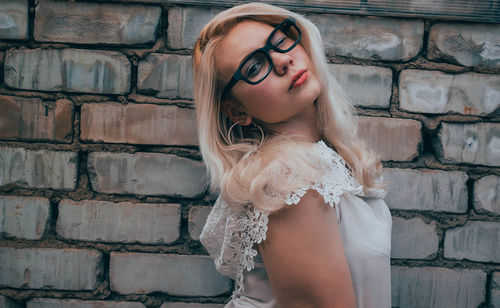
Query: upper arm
(304, 256)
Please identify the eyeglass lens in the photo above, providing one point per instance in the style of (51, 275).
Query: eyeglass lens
(282, 40)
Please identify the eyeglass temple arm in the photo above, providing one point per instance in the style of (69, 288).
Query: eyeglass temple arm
(228, 87)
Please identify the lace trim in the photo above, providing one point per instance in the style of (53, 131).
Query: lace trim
(230, 233)
(333, 184)
(247, 228)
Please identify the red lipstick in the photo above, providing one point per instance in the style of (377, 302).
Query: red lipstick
(299, 79)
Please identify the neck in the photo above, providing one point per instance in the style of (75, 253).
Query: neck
(303, 127)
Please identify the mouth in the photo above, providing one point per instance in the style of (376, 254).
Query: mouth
(298, 79)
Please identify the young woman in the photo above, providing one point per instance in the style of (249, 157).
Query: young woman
(299, 221)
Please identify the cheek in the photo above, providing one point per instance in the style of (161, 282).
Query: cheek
(254, 94)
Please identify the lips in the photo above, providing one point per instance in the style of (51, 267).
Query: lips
(298, 79)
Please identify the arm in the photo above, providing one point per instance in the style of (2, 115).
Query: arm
(304, 256)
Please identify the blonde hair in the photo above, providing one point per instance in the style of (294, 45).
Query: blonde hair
(235, 160)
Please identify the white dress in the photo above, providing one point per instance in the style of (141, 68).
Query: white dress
(364, 223)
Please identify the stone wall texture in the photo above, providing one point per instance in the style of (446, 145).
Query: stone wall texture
(103, 193)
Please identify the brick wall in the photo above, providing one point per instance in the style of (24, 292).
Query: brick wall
(102, 189)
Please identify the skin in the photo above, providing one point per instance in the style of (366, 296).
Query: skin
(303, 252)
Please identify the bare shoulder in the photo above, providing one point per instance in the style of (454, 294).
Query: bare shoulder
(304, 256)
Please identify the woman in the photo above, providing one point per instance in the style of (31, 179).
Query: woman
(299, 221)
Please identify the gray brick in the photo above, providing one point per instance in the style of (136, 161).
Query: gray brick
(14, 20)
(74, 303)
(437, 92)
(428, 190)
(6, 302)
(196, 221)
(166, 76)
(487, 194)
(50, 268)
(370, 38)
(422, 236)
(178, 275)
(38, 169)
(138, 124)
(190, 305)
(24, 217)
(495, 290)
(434, 287)
(33, 119)
(146, 174)
(92, 23)
(468, 143)
(366, 86)
(71, 70)
(125, 222)
(185, 24)
(465, 44)
(475, 241)
(438, 7)
(404, 143)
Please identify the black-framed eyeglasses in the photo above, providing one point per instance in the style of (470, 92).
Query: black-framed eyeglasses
(258, 64)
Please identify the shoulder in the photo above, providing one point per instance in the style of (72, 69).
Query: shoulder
(303, 253)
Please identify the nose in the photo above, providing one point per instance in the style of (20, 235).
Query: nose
(281, 61)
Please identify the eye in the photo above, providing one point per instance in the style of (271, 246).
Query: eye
(253, 68)
(279, 40)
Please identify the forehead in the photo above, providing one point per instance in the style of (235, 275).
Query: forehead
(241, 40)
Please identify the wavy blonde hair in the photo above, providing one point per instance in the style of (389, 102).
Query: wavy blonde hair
(235, 158)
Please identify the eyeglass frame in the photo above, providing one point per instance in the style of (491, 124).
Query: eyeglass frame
(237, 76)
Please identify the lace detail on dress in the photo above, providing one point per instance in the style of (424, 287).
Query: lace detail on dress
(229, 236)
(336, 180)
(231, 231)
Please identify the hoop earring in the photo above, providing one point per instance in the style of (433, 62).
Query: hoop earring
(262, 136)
(229, 139)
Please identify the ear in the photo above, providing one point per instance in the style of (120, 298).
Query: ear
(236, 114)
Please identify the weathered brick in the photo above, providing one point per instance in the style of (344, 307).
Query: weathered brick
(147, 174)
(38, 169)
(74, 303)
(434, 287)
(6, 302)
(465, 44)
(487, 194)
(196, 221)
(468, 143)
(370, 38)
(50, 268)
(438, 7)
(166, 76)
(185, 24)
(190, 305)
(124, 222)
(178, 275)
(92, 23)
(423, 189)
(405, 137)
(23, 217)
(33, 119)
(138, 124)
(495, 290)
(437, 92)
(71, 70)
(475, 241)
(366, 86)
(14, 19)
(423, 237)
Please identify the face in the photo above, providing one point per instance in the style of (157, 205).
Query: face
(286, 94)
